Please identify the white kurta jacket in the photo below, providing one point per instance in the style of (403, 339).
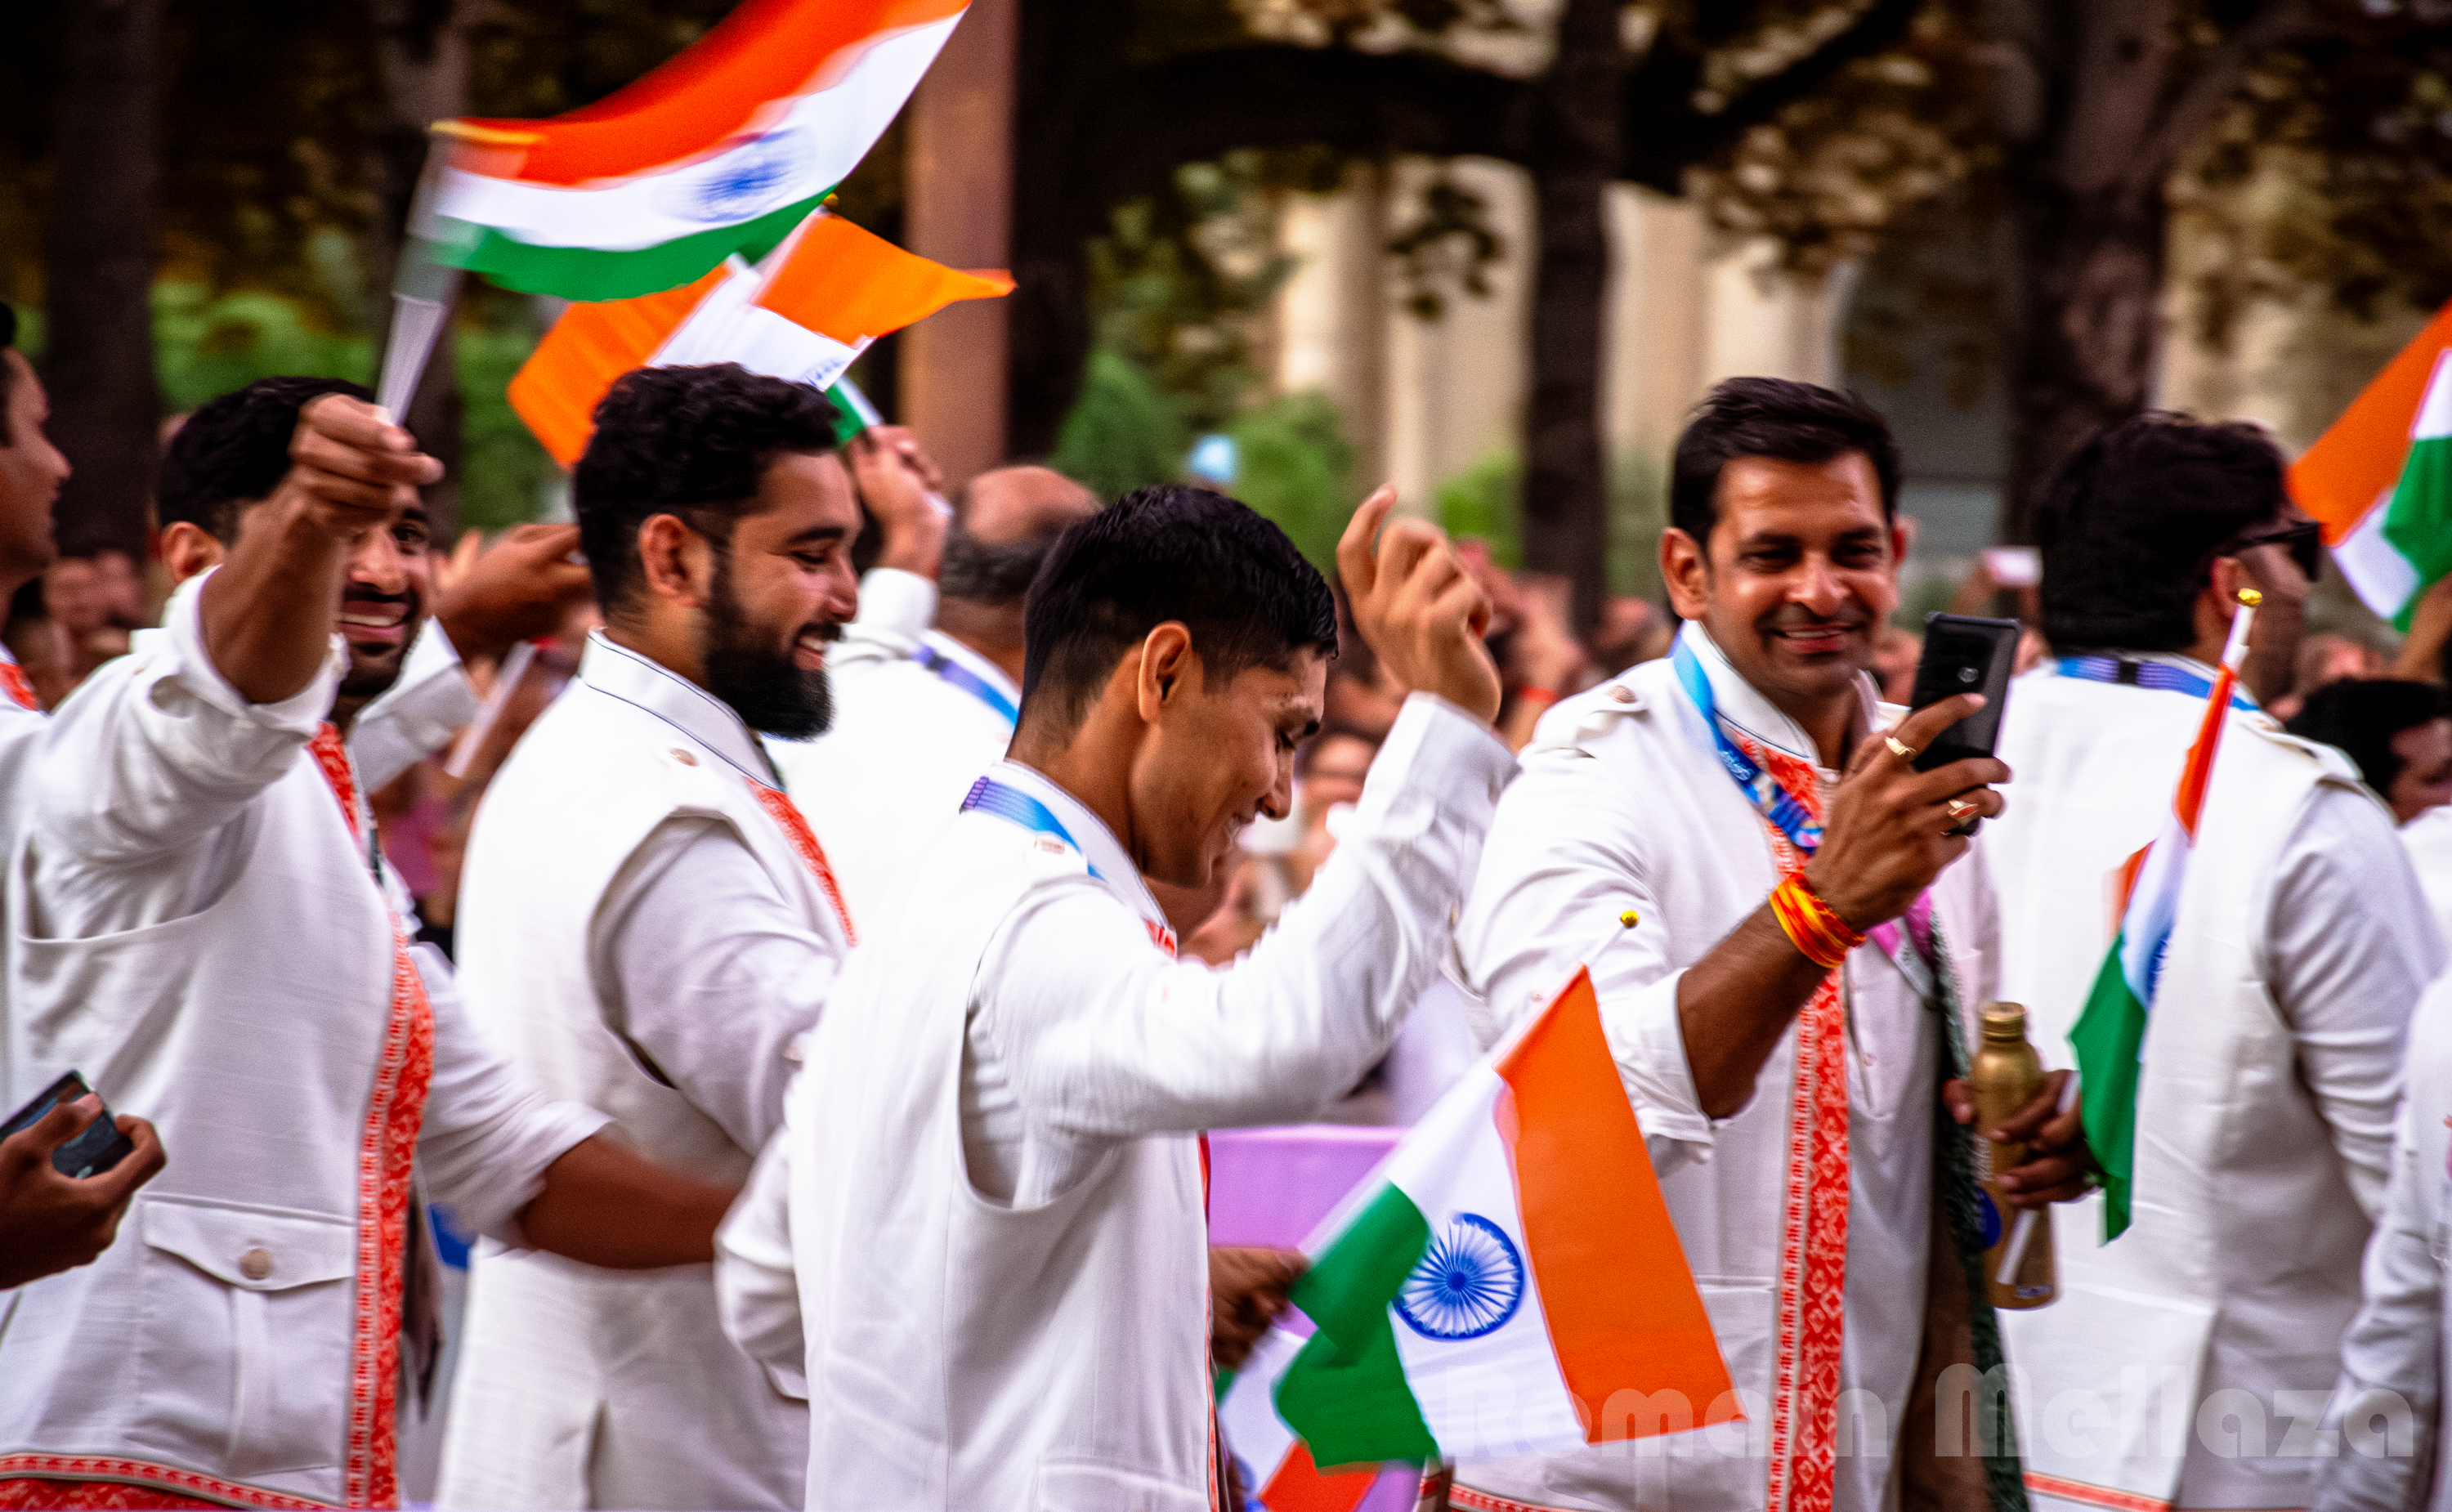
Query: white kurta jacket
(578, 1386)
(193, 925)
(969, 1350)
(2187, 1363)
(1623, 804)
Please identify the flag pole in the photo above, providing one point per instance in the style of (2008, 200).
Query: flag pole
(422, 293)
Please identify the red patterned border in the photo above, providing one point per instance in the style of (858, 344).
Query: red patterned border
(19, 688)
(2093, 1495)
(89, 1481)
(779, 805)
(1472, 1501)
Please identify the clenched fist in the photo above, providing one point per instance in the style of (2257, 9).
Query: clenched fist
(1417, 607)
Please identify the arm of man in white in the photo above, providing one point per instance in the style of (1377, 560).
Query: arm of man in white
(2352, 946)
(2391, 1388)
(489, 1131)
(708, 973)
(894, 606)
(1564, 861)
(163, 751)
(417, 715)
(756, 1290)
(1103, 1037)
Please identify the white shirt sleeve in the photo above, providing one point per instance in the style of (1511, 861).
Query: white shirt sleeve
(158, 751)
(2391, 1357)
(895, 607)
(489, 1133)
(1103, 1038)
(2350, 945)
(1565, 860)
(756, 1291)
(417, 715)
(709, 973)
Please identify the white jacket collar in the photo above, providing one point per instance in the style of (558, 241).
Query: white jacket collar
(620, 672)
(978, 666)
(1100, 847)
(1746, 708)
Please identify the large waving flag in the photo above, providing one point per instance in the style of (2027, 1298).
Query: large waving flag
(721, 152)
(2381, 479)
(2110, 1030)
(1507, 1283)
(804, 314)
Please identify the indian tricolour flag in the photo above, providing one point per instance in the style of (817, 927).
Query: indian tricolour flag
(803, 314)
(721, 152)
(1508, 1281)
(2109, 1035)
(2381, 479)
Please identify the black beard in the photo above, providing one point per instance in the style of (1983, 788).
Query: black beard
(763, 686)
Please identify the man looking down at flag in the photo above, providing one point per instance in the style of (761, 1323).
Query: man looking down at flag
(650, 927)
(1807, 962)
(201, 920)
(988, 1173)
(2204, 1294)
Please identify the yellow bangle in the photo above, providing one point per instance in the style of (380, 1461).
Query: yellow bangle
(1812, 926)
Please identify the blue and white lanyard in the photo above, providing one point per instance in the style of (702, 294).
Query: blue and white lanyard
(2162, 675)
(969, 681)
(1014, 806)
(1776, 803)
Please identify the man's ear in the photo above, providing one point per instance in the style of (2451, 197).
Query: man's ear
(677, 562)
(1685, 572)
(1167, 663)
(189, 549)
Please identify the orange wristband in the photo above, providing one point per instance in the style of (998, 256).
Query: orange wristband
(1537, 697)
(1812, 926)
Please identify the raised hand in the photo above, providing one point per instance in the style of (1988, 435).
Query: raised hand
(1417, 607)
(50, 1222)
(1887, 834)
(350, 468)
(518, 588)
(898, 483)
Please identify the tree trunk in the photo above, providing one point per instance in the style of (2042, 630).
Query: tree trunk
(99, 252)
(424, 57)
(1575, 153)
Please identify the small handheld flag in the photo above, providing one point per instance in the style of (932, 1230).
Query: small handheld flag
(2381, 479)
(2110, 1031)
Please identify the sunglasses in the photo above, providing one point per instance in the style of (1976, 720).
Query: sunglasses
(2303, 540)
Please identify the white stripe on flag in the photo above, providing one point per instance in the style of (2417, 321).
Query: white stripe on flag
(726, 328)
(1248, 1418)
(2434, 410)
(2382, 577)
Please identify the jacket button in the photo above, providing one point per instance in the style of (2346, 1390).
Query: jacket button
(255, 1264)
(1622, 693)
(682, 756)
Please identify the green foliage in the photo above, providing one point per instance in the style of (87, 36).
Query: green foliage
(1296, 466)
(205, 347)
(1482, 501)
(1123, 431)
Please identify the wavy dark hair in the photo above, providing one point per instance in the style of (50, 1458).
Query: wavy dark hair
(234, 450)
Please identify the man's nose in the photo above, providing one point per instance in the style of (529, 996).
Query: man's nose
(1280, 801)
(379, 562)
(1815, 585)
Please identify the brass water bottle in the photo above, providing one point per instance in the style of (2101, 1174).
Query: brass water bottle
(2006, 1077)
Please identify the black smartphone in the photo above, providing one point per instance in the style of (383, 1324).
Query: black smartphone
(98, 1149)
(1963, 654)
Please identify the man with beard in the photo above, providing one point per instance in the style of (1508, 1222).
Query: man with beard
(650, 927)
(917, 718)
(1805, 975)
(201, 920)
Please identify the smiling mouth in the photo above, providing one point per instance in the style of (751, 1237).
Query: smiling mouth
(1816, 639)
(809, 649)
(387, 622)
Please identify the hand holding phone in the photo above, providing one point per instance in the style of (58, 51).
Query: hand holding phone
(1963, 654)
(67, 1171)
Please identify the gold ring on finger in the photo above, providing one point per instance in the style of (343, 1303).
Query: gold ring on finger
(1959, 808)
(1899, 748)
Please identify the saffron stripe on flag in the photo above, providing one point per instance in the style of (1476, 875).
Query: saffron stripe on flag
(556, 391)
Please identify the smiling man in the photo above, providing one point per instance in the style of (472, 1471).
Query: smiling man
(649, 926)
(1803, 980)
(987, 1203)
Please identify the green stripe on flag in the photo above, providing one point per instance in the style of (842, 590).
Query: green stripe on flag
(2418, 521)
(590, 273)
(1345, 1393)
(2106, 1037)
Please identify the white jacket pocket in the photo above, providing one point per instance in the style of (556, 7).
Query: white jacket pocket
(247, 1333)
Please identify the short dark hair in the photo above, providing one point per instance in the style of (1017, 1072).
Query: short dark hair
(233, 450)
(8, 373)
(1777, 418)
(998, 576)
(1168, 552)
(2361, 716)
(689, 441)
(2129, 525)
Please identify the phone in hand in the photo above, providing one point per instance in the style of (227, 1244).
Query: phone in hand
(1963, 654)
(98, 1148)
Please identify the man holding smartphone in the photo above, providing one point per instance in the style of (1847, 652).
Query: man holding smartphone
(1800, 981)
(2206, 1338)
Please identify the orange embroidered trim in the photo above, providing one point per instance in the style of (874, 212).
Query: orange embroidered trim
(780, 806)
(19, 687)
(92, 1481)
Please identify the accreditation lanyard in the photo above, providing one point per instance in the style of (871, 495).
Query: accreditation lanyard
(1786, 812)
(979, 688)
(2161, 676)
(1014, 806)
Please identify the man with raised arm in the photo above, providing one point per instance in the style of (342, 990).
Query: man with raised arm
(200, 920)
(1804, 978)
(986, 1203)
(650, 927)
